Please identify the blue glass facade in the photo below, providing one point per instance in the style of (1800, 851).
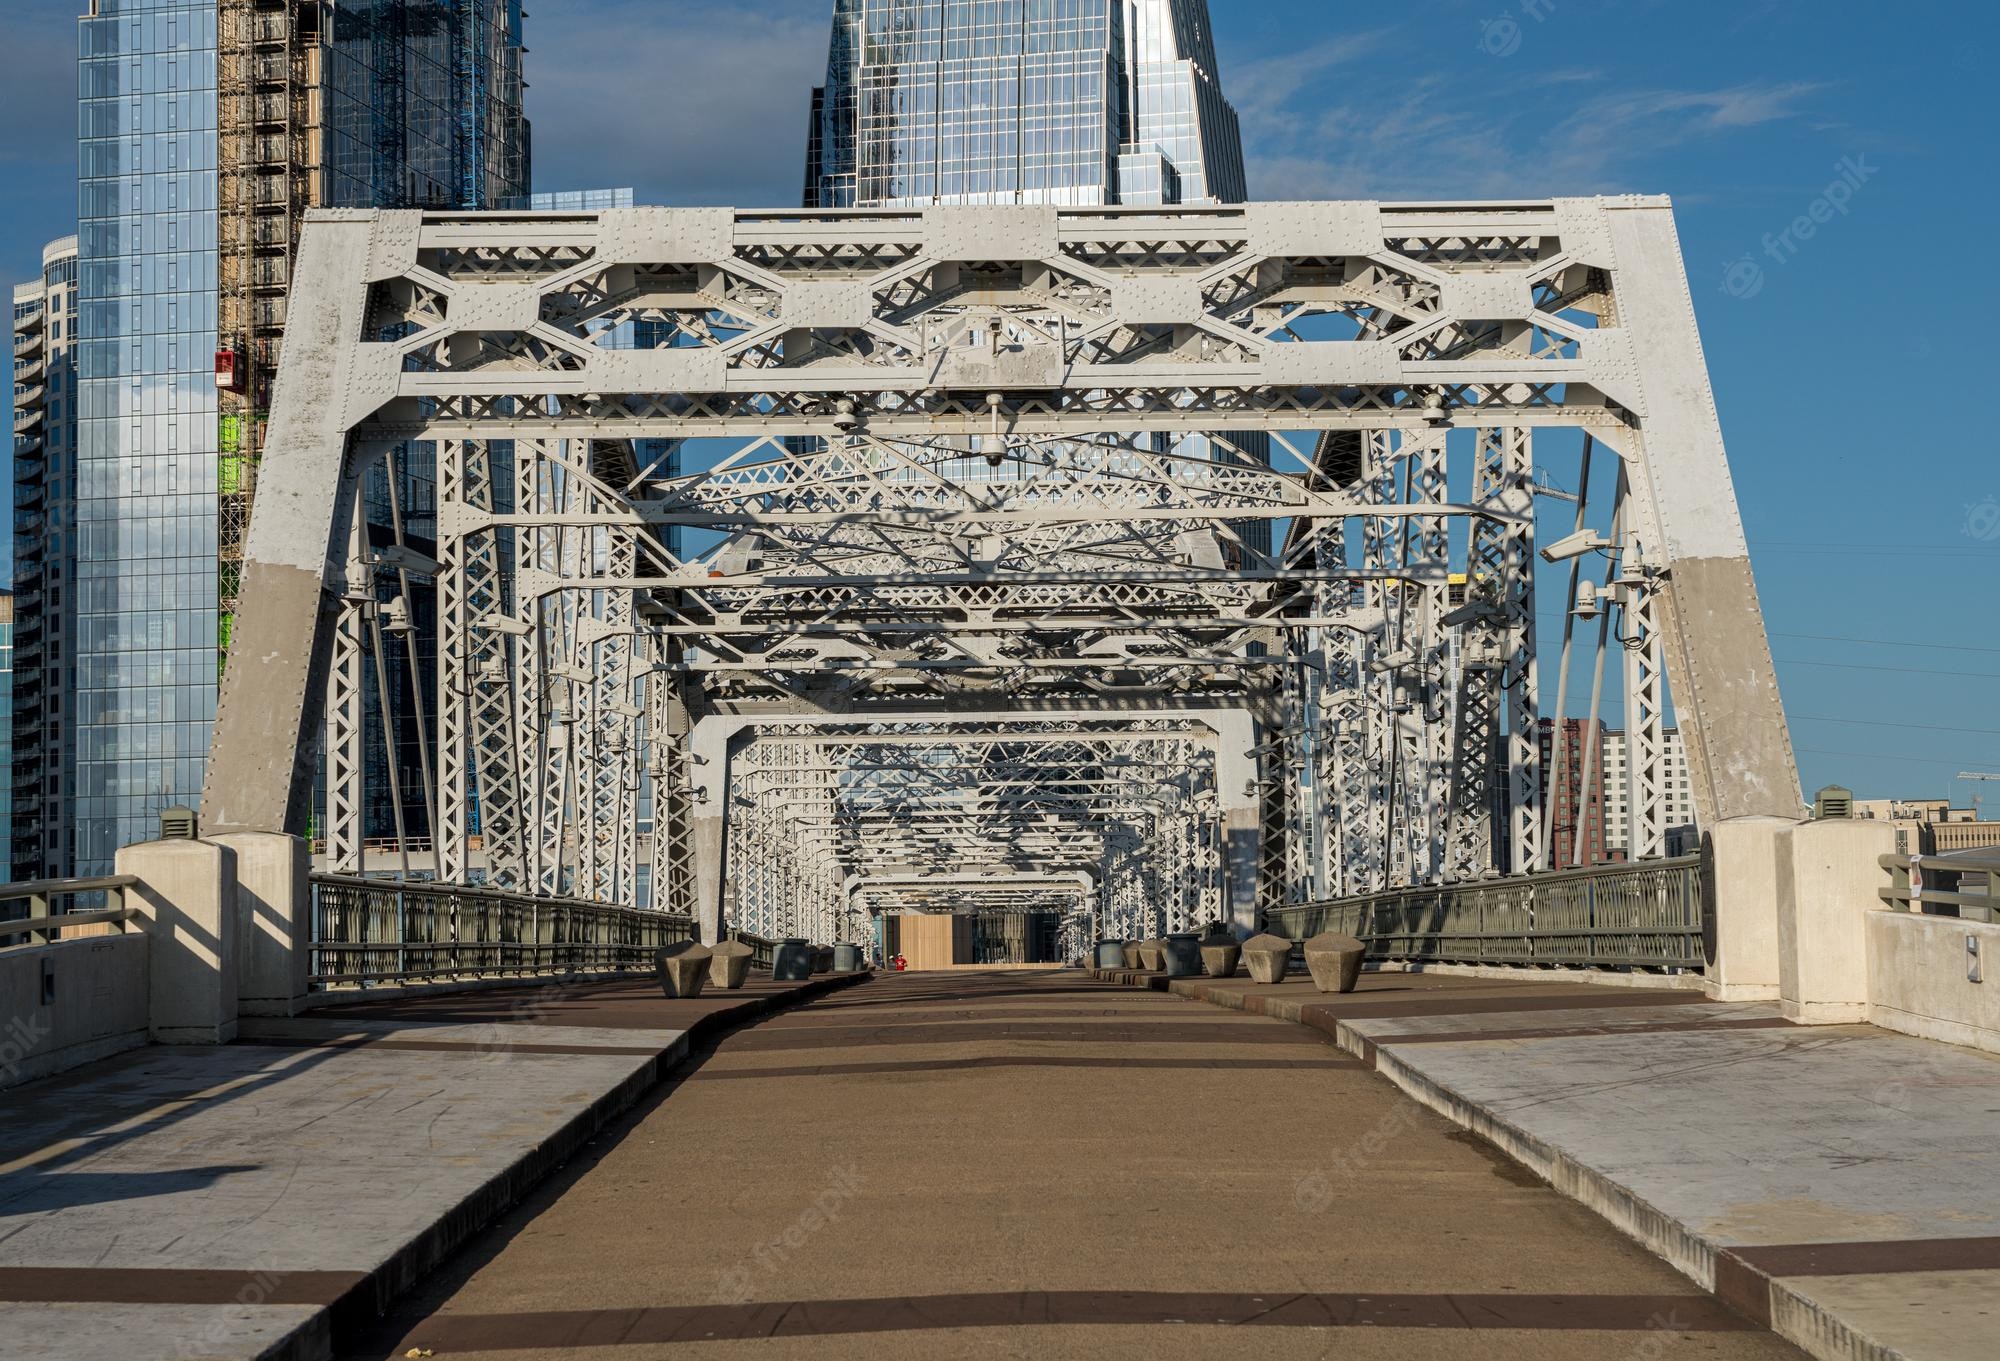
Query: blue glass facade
(415, 105)
(146, 641)
(1074, 102)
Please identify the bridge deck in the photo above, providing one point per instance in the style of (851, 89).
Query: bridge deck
(930, 1164)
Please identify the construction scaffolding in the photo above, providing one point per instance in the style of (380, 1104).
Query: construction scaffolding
(269, 59)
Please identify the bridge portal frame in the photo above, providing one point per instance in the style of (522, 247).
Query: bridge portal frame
(1183, 324)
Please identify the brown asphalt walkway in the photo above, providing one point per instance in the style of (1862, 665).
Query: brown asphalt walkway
(1041, 1165)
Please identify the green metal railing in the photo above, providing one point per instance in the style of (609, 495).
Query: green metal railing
(1645, 915)
(386, 932)
(41, 911)
(1964, 884)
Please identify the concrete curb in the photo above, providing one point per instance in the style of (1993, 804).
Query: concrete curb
(1737, 1283)
(368, 1301)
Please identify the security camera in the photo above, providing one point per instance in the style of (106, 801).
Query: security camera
(1471, 612)
(1575, 546)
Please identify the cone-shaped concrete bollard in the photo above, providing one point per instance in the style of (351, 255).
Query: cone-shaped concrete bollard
(1132, 957)
(683, 969)
(1335, 961)
(1181, 954)
(1219, 955)
(1150, 952)
(1266, 957)
(729, 968)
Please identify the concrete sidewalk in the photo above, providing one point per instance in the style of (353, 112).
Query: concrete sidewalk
(249, 1200)
(1840, 1183)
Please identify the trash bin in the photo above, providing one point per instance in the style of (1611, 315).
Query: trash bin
(792, 962)
(1111, 954)
(1181, 955)
(847, 959)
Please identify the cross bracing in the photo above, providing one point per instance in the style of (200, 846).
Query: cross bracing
(954, 468)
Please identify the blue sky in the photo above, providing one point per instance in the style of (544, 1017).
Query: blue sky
(1844, 377)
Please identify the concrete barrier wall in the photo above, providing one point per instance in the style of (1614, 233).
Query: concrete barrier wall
(1918, 978)
(98, 1006)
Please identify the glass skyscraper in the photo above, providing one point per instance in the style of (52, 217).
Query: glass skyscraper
(206, 128)
(1071, 102)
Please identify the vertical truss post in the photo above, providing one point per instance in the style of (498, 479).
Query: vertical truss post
(1645, 708)
(345, 742)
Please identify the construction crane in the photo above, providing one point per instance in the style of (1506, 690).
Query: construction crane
(1977, 775)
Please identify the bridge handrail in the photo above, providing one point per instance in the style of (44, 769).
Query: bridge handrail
(392, 932)
(1916, 884)
(1643, 914)
(43, 926)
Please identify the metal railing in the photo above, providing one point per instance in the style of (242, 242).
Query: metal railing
(1944, 885)
(1644, 915)
(39, 911)
(388, 932)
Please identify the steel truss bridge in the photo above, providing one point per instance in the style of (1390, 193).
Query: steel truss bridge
(1152, 567)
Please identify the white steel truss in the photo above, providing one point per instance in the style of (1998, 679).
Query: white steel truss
(966, 463)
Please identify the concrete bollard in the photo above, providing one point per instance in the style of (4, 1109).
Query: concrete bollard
(1110, 954)
(1180, 954)
(1267, 957)
(186, 899)
(847, 959)
(1150, 955)
(1826, 889)
(1335, 961)
(729, 965)
(792, 962)
(683, 968)
(1130, 951)
(1219, 956)
(273, 921)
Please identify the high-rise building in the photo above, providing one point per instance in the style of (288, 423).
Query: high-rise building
(1071, 102)
(41, 733)
(1618, 794)
(6, 714)
(208, 127)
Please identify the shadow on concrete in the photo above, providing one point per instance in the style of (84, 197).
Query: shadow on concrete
(44, 1191)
